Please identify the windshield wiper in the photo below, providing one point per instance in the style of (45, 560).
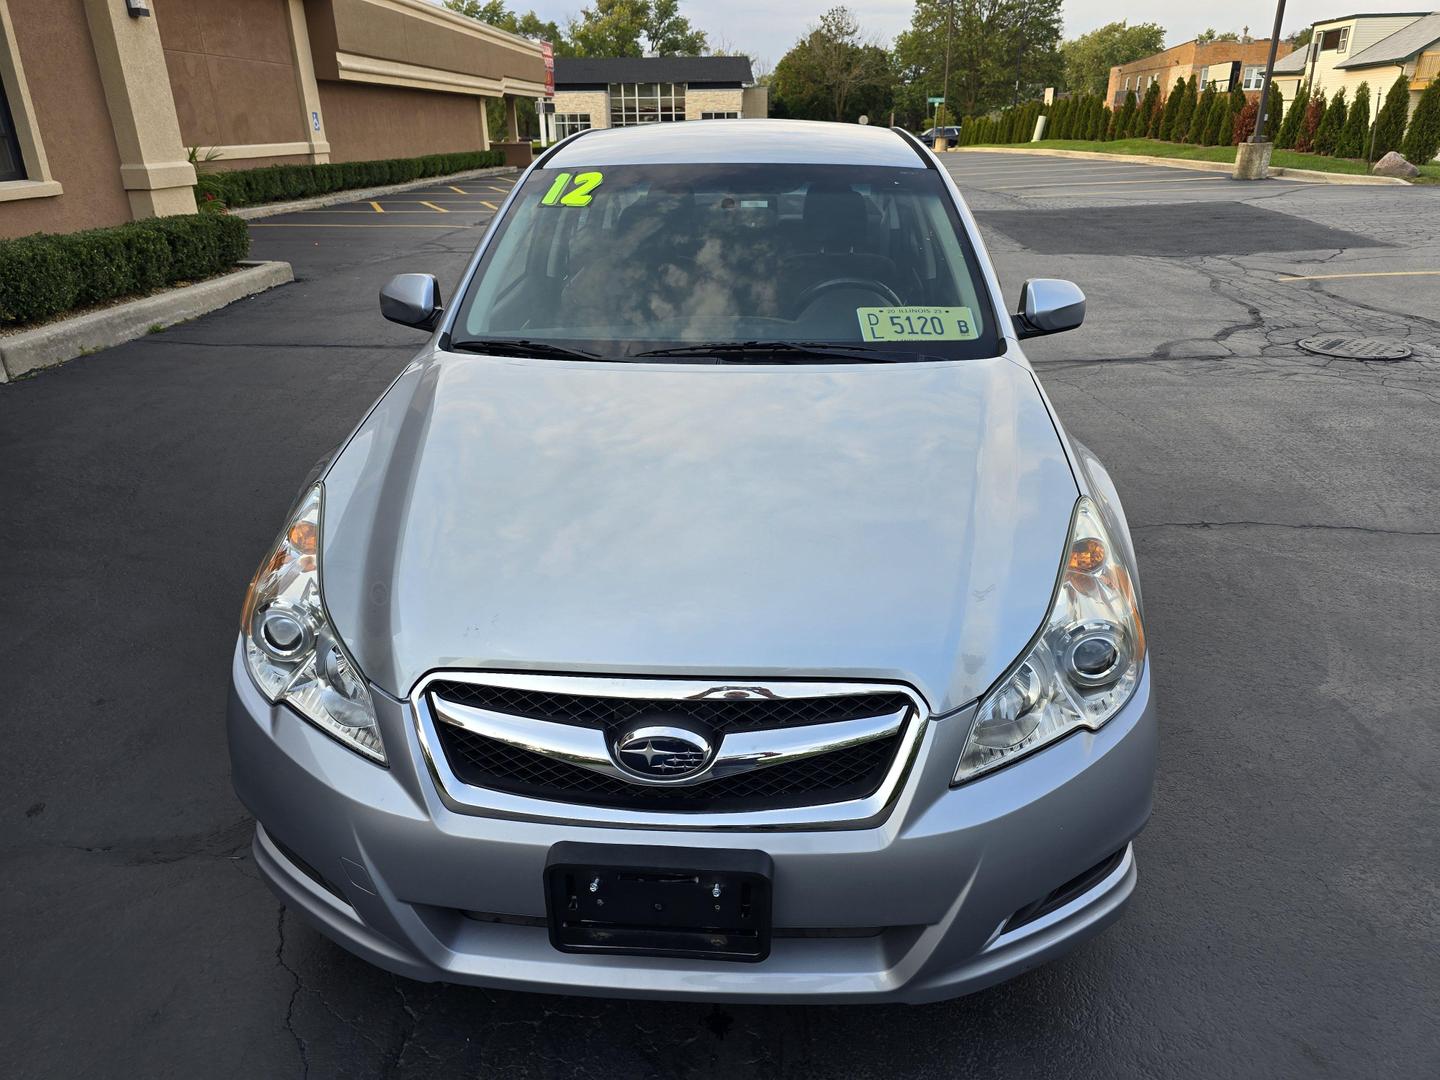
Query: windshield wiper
(818, 350)
(523, 347)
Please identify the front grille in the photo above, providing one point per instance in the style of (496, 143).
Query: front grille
(854, 772)
(721, 715)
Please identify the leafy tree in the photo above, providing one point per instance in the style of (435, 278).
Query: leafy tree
(1200, 122)
(1245, 120)
(1290, 126)
(498, 13)
(1310, 124)
(1089, 58)
(1208, 36)
(1390, 124)
(1301, 38)
(1422, 141)
(1332, 124)
(995, 45)
(833, 72)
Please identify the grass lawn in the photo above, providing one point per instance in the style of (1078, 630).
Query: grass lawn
(1284, 159)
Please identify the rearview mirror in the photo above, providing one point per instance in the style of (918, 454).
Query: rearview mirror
(1049, 306)
(412, 300)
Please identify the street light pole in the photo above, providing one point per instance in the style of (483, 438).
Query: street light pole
(949, 32)
(1258, 135)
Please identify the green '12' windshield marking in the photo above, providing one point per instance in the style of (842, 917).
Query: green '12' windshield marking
(579, 195)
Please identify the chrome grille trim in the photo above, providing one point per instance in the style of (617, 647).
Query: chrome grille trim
(852, 813)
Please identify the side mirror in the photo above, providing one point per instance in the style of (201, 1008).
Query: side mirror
(1049, 306)
(412, 300)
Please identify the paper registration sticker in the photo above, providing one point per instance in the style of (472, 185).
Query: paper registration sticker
(917, 324)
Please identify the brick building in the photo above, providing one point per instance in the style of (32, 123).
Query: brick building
(1213, 63)
(620, 91)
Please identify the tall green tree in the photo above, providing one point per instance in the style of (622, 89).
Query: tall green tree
(498, 13)
(1147, 122)
(1185, 115)
(1200, 122)
(1351, 143)
(1422, 140)
(1332, 125)
(1208, 36)
(834, 72)
(1088, 58)
(1390, 124)
(1124, 121)
(1172, 109)
(1274, 111)
(1221, 123)
(1290, 126)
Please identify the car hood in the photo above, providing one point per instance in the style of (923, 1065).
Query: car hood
(868, 521)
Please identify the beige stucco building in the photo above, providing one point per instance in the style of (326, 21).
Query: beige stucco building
(103, 99)
(1353, 49)
(606, 92)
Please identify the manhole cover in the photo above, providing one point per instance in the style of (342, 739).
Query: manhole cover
(1355, 348)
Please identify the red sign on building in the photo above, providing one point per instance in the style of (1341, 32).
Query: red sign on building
(547, 53)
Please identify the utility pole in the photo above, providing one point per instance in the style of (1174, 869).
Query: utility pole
(945, 88)
(1258, 135)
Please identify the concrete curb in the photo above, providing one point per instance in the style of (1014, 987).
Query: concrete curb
(250, 213)
(1310, 176)
(54, 343)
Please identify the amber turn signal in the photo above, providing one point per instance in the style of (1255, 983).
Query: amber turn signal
(1087, 555)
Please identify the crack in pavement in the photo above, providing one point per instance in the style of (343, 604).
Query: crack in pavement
(1282, 525)
(300, 1044)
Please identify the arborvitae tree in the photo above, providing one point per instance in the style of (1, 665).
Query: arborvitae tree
(1146, 120)
(1290, 126)
(1098, 118)
(1310, 125)
(1172, 109)
(1351, 143)
(1422, 141)
(1332, 124)
(1217, 132)
(1390, 124)
(1200, 122)
(1059, 114)
(1237, 106)
(1125, 118)
(1185, 115)
(1244, 123)
(1274, 111)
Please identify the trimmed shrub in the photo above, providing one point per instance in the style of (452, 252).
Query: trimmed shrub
(1147, 122)
(1244, 124)
(1217, 131)
(1274, 111)
(1200, 122)
(44, 275)
(1390, 124)
(1351, 143)
(1290, 126)
(1332, 124)
(276, 183)
(1422, 141)
(1172, 109)
(1185, 114)
(1124, 120)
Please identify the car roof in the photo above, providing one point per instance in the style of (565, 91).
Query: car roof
(793, 142)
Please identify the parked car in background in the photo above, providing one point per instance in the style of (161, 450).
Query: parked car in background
(714, 608)
(929, 135)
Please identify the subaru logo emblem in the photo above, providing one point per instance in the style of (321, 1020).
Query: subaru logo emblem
(658, 753)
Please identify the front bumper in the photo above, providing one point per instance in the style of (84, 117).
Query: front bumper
(380, 864)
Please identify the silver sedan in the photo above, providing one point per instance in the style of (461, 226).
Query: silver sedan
(714, 608)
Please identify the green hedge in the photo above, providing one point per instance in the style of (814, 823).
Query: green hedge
(279, 183)
(44, 275)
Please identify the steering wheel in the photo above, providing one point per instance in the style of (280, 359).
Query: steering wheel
(872, 285)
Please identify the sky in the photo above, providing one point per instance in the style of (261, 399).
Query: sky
(765, 29)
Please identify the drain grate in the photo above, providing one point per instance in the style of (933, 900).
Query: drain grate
(1355, 348)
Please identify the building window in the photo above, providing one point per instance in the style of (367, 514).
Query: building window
(1335, 40)
(646, 103)
(570, 123)
(1254, 76)
(1127, 83)
(1204, 77)
(719, 116)
(1344, 44)
(12, 164)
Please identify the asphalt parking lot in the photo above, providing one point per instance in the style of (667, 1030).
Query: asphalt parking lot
(1286, 511)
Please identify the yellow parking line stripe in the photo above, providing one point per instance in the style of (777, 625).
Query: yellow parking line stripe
(488, 205)
(377, 207)
(501, 190)
(462, 191)
(437, 209)
(1357, 274)
(1108, 183)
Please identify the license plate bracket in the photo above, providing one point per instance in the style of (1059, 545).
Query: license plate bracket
(656, 901)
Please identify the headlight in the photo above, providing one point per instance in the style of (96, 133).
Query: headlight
(1083, 667)
(291, 649)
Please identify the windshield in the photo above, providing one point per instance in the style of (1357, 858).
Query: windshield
(621, 261)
